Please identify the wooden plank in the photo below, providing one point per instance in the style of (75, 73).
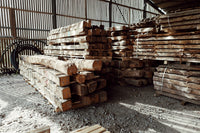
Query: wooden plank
(178, 82)
(178, 19)
(169, 38)
(57, 77)
(65, 67)
(60, 92)
(79, 89)
(122, 47)
(181, 27)
(118, 38)
(178, 97)
(100, 130)
(92, 86)
(78, 32)
(179, 72)
(82, 39)
(101, 83)
(194, 22)
(60, 105)
(176, 92)
(179, 88)
(87, 65)
(122, 43)
(80, 25)
(182, 67)
(45, 129)
(168, 58)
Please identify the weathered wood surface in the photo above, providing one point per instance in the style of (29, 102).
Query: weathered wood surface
(92, 129)
(87, 65)
(65, 67)
(57, 77)
(45, 129)
(180, 80)
(59, 105)
(79, 25)
(79, 39)
(58, 91)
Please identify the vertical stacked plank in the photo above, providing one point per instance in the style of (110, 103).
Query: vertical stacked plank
(80, 40)
(65, 84)
(178, 81)
(147, 27)
(121, 42)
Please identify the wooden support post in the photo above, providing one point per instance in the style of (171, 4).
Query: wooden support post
(54, 14)
(12, 22)
(85, 9)
(129, 20)
(110, 13)
(144, 11)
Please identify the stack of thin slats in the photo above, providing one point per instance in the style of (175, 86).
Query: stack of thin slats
(65, 84)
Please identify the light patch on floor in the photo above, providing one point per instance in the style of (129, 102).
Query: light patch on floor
(179, 120)
(3, 104)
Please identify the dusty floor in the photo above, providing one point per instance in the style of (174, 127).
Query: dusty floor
(129, 109)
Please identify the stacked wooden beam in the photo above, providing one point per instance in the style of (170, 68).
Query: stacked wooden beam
(182, 45)
(91, 129)
(132, 72)
(79, 40)
(188, 20)
(145, 26)
(178, 81)
(121, 42)
(65, 84)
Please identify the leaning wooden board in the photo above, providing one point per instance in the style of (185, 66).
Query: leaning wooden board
(91, 129)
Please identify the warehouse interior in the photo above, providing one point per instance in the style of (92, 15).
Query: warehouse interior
(99, 66)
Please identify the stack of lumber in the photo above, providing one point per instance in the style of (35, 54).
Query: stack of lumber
(179, 81)
(66, 84)
(79, 40)
(182, 45)
(121, 42)
(188, 20)
(132, 72)
(91, 129)
(145, 26)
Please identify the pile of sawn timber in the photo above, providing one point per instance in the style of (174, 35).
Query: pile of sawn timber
(177, 40)
(79, 40)
(65, 84)
(121, 42)
(179, 81)
(133, 72)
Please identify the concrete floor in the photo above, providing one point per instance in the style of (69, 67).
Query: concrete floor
(128, 110)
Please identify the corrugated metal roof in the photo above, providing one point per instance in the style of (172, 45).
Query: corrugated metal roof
(176, 5)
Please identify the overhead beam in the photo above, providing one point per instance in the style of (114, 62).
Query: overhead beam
(154, 6)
